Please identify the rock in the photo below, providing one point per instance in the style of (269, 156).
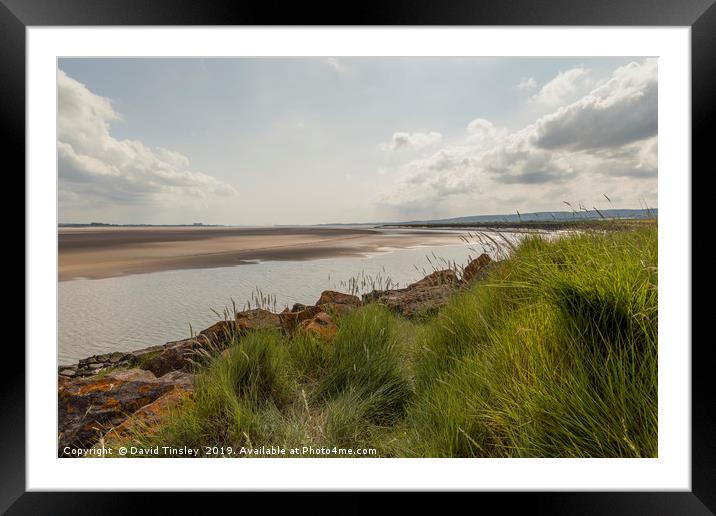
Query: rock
(257, 319)
(67, 372)
(337, 309)
(117, 357)
(446, 277)
(477, 268)
(409, 302)
(430, 293)
(171, 359)
(321, 325)
(95, 367)
(218, 334)
(140, 354)
(146, 418)
(297, 307)
(62, 381)
(371, 296)
(330, 296)
(290, 320)
(88, 406)
(221, 333)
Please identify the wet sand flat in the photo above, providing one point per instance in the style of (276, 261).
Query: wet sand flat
(108, 252)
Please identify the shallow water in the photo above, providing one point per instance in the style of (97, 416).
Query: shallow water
(132, 312)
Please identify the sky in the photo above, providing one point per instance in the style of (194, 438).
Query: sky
(263, 141)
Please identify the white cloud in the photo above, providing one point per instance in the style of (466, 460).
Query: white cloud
(621, 111)
(563, 87)
(596, 144)
(94, 166)
(402, 140)
(482, 134)
(527, 83)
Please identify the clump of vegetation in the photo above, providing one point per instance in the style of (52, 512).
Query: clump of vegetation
(553, 354)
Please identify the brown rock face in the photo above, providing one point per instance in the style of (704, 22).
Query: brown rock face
(218, 334)
(430, 293)
(411, 301)
(330, 296)
(290, 320)
(146, 418)
(477, 268)
(257, 319)
(337, 309)
(89, 406)
(321, 325)
(446, 277)
(171, 359)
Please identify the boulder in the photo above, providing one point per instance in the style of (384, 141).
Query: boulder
(141, 354)
(146, 418)
(171, 359)
(218, 334)
(411, 301)
(430, 293)
(333, 297)
(257, 319)
(87, 407)
(116, 357)
(337, 309)
(321, 325)
(291, 319)
(445, 277)
(62, 381)
(477, 268)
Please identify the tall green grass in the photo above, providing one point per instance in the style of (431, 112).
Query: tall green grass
(554, 354)
(560, 362)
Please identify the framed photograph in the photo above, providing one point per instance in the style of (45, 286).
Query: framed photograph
(416, 250)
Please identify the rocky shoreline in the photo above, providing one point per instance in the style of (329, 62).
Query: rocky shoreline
(112, 394)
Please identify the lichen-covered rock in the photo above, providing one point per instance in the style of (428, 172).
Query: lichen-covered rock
(218, 334)
(145, 419)
(257, 319)
(477, 268)
(68, 372)
(411, 301)
(321, 325)
(87, 407)
(333, 297)
(142, 354)
(291, 319)
(437, 278)
(428, 294)
(171, 359)
(337, 309)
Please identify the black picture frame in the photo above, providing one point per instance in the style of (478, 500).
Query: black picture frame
(700, 15)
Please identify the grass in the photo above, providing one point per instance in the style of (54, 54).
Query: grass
(554, 354)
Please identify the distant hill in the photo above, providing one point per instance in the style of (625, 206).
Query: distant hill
(543, 216)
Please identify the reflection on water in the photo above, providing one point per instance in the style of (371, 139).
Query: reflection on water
(132, 312)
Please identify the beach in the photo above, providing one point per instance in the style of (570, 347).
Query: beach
(96, 253)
